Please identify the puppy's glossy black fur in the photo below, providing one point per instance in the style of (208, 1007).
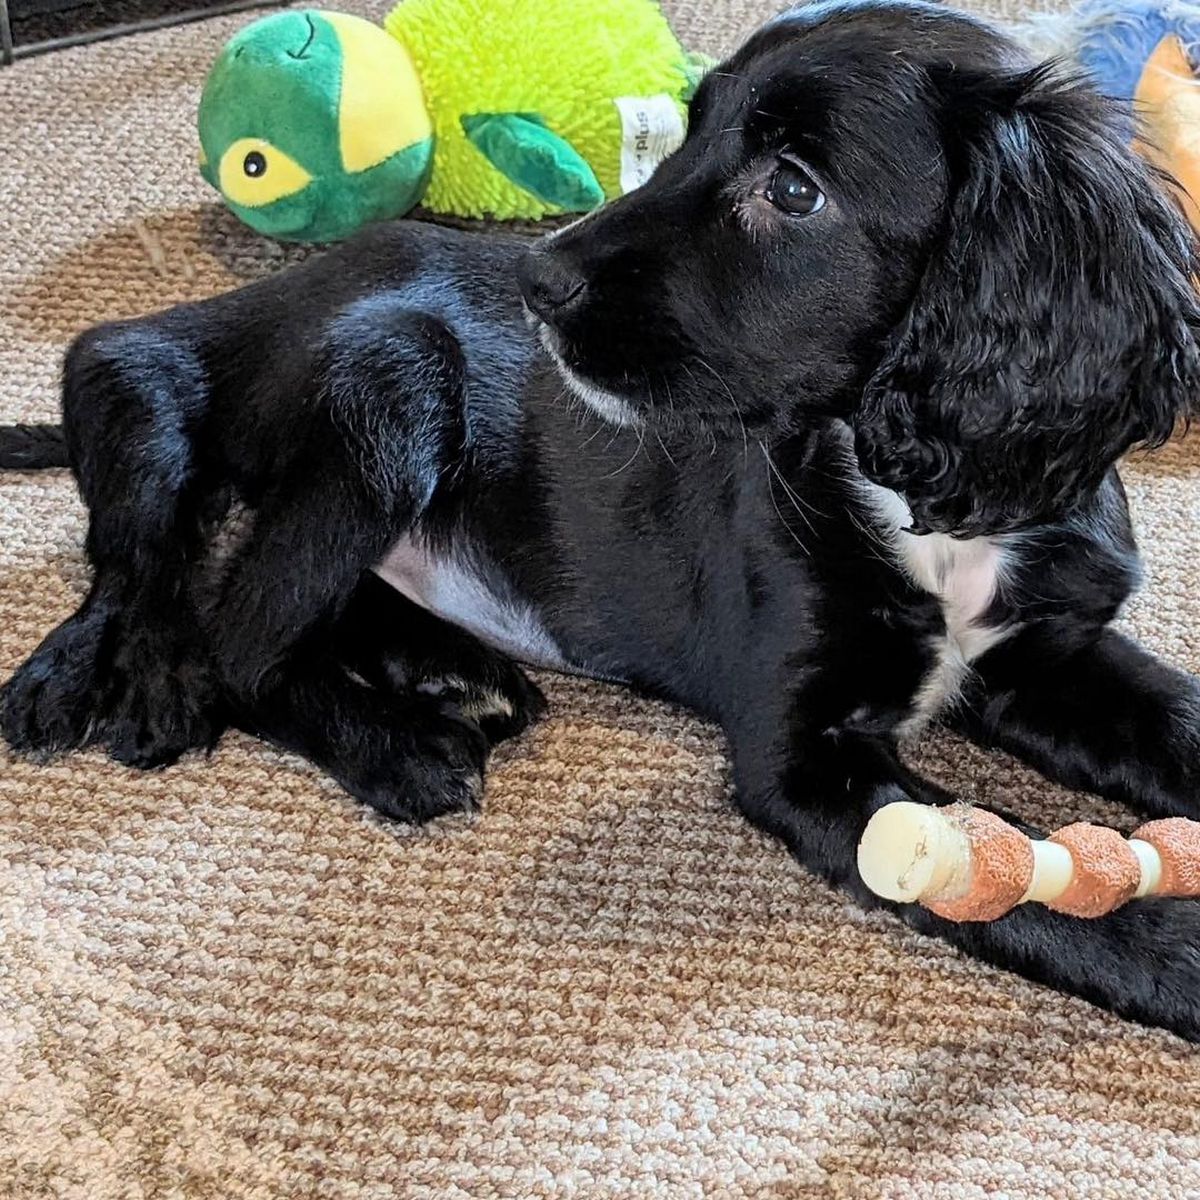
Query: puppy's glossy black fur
(890, 258)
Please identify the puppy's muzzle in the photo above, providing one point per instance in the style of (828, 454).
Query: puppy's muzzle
(551, 286)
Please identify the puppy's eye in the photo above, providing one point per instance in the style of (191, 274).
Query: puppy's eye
(792, 190)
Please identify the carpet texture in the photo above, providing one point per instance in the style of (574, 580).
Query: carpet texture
(226, 981)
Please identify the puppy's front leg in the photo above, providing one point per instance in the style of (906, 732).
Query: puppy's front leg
(1104, 717)
(1141, 962)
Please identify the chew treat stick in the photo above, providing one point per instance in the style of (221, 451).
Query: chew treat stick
(966, 864)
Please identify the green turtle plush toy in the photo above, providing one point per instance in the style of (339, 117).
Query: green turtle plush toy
(313, 123)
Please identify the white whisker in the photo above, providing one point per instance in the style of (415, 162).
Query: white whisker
(773, 473)
(633, 457)
(737, 408)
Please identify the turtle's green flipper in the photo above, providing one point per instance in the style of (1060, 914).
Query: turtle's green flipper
(695, 67)
(524, 150)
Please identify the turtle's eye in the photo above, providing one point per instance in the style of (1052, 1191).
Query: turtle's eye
(254, 173)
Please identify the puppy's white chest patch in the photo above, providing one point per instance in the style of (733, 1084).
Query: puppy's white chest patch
(964, 574)
(461, 592)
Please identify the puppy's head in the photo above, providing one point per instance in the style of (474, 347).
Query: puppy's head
(883, 213)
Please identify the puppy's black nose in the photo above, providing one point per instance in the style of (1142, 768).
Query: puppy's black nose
(550, 285)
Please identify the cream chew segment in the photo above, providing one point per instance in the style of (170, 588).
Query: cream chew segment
(967, 864)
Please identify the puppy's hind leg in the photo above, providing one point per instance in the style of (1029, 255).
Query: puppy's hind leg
(399, 706)
(128, 668)
(386, 430)
(411, 756)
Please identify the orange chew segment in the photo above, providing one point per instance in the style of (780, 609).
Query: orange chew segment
(1001, 868)
(1178, 844)
(1107, 871)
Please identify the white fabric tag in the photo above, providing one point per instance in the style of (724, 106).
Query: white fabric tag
(651, 128)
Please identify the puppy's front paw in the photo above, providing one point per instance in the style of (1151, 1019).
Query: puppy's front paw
(54, 701)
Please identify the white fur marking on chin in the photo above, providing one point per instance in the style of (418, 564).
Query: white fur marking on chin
(604, 404)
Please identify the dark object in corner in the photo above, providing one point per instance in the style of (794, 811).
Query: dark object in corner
(30, 27)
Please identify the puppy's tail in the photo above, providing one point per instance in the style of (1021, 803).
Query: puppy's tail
(32, 447)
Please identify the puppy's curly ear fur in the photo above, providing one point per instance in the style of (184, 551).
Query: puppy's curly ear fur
(1056, 323)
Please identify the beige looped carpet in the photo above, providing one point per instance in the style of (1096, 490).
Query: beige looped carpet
(227, 981)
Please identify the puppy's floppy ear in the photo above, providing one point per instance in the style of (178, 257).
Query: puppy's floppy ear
(1055, 324)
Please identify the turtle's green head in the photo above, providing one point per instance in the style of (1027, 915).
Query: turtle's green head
(313, 123)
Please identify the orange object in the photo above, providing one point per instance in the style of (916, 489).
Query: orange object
(1178, 844)
(1002, 866)
(1168, 102)
(1107, 871)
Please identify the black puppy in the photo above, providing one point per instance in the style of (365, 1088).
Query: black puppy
(855, 366)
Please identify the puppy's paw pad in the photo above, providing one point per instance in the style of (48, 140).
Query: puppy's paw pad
(422, 792)
(475, 701)
(159, 722)
(448, 793)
